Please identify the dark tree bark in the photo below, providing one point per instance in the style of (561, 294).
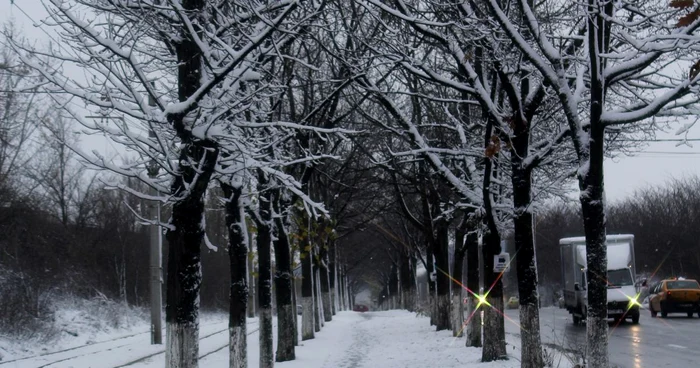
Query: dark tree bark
(342, 290)
(333, 277)
(473, 314)
(592, 190)
(264, 245)
(251, 308)
(238, 260)
(431, 285)
(442, 320)
(457, 273)
(324, 276)
(393, 287)
(408, 288)
(185, 238)
(494, 330)
(307, 292)
(316, 291)
(593, 209)
(531, 349)
(286, 312)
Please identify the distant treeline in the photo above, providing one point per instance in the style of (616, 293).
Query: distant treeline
(106, 253)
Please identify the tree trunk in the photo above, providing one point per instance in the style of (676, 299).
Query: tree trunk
(238, 261)
(295, 303)
(286, 312)
(326, 294)
(325, 283)
(442, 321)
(593, 208)
(317, 298)
(333, 279)
(307, 295)
(457, 308)
(264, 246)
(431, 286)
(407, 282)
(531, 346)
(473, 314)
(494, 329)
(185, 237)
(251, 278)
(341, 289)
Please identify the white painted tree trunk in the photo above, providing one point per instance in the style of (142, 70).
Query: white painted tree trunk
(267, 353)
(238, 357)
(327, 307)
(474, 325)
(531, 346)
(182, 349)
(494, 347)
(285, 327)
(457, 315)
(334, 306)
(317, 303)
(597, 352)
(307, 318)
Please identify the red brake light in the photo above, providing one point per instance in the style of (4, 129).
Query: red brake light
(668, 293)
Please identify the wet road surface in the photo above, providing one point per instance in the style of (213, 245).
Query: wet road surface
(654, 342)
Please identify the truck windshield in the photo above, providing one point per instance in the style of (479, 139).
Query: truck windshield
(621, 277)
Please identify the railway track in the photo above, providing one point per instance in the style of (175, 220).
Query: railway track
(53, 358)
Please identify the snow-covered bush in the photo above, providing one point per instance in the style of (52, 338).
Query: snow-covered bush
(25, 309)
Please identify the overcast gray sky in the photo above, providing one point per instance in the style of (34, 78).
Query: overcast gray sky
(655, 165)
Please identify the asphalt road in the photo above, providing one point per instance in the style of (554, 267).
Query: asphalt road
(654, 342)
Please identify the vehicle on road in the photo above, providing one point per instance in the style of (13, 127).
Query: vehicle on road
(622, 291)
(360, 308)
(675, 295)
(513, 302)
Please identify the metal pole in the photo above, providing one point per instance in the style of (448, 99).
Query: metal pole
(155, 253)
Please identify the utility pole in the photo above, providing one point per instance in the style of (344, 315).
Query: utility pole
(156, 254)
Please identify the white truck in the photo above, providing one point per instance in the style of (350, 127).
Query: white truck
(622, 292)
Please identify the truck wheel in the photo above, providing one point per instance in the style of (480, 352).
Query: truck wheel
(577, 320)
(635, 317)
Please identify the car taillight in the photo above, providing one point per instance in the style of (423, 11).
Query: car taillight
(668, 293)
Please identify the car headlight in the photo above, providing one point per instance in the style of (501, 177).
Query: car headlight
(633, 301)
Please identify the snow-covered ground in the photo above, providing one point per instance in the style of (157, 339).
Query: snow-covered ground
(393, 339)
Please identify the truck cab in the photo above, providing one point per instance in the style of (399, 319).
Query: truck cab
(622, 292)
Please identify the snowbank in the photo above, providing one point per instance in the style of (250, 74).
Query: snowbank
(80, 322)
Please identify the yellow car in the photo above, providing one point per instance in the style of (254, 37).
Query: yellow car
(513, 302)
(675, 295)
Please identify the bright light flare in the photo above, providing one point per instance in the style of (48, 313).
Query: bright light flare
(482, 300)
(633, 301)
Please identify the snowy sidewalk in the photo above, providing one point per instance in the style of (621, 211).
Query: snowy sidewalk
(392, 339)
